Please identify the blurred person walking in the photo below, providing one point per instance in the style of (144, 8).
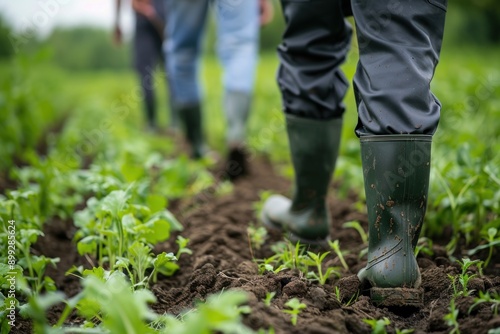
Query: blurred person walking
(147, 51)
(399, 45)
(237, 49)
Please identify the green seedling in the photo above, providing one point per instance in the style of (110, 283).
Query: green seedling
(182, 242)
(19, 233)
(27, 204)
(296, 307)
(456, 292)
(357, 226)
(378, 326)
(424, 245)
(267, 264)
(295, 258)
(404, 331)
(485, 297)
(336, 291)
(36, 309)
(39, 281)
(272, 263)
(224, 188)
(269, 297)
(335, 246)
(451, 318)
(140, 260)
(257, 236)
(114, 218)
(493, 239)
(220, 314)
(289, 256)
(102, 227)
(121, 309)
(165, 264)
(317, 260)
(338, 296)
(454, 201)
(465, 277)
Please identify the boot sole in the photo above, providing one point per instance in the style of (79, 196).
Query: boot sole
(320, 243)
(397, 297)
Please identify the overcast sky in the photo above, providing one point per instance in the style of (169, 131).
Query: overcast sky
(44, 15)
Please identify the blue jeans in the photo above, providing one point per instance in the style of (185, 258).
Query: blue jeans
(237, 45)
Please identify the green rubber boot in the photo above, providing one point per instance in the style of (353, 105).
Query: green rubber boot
(314, 146)
(396, 173)
(191, 119)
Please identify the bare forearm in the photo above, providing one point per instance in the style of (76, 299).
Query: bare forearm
(266, 11)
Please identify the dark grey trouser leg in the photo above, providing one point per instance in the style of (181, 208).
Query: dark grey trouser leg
(399, 44)
(147, 54)
(315, 44)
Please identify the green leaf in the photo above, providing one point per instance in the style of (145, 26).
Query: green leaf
(131, 172)
(37, 305)
(157, 230)
(121, 263)
(123, 311)
(88, 308)
(139, 255)
(156, 202)
(39, 263)
(29, 236)
(129, 221)
(115, 202)
(97, 272)
(87, 245)
(169, 217)
(165, 264)
(140, 211)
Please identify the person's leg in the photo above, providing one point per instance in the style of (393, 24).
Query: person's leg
(144, 62)
(237, 47)
(399, 44)
(184, 31)
(161, 10)
(315, 44)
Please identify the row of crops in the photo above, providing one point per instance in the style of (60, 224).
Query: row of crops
(71, 149)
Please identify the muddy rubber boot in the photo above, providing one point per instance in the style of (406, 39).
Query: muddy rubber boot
(192, 122)
(314, 146)
(396, 173)
(237, 109)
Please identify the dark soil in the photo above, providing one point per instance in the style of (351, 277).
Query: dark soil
(222, 259)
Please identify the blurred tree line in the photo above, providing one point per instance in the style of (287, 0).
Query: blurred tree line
(475, 22)
(87, 48)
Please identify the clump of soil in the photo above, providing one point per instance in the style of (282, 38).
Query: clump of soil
(223, 259)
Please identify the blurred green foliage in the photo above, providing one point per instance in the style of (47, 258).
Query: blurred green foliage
(86, 48)
(479, 20)
(5, 47)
